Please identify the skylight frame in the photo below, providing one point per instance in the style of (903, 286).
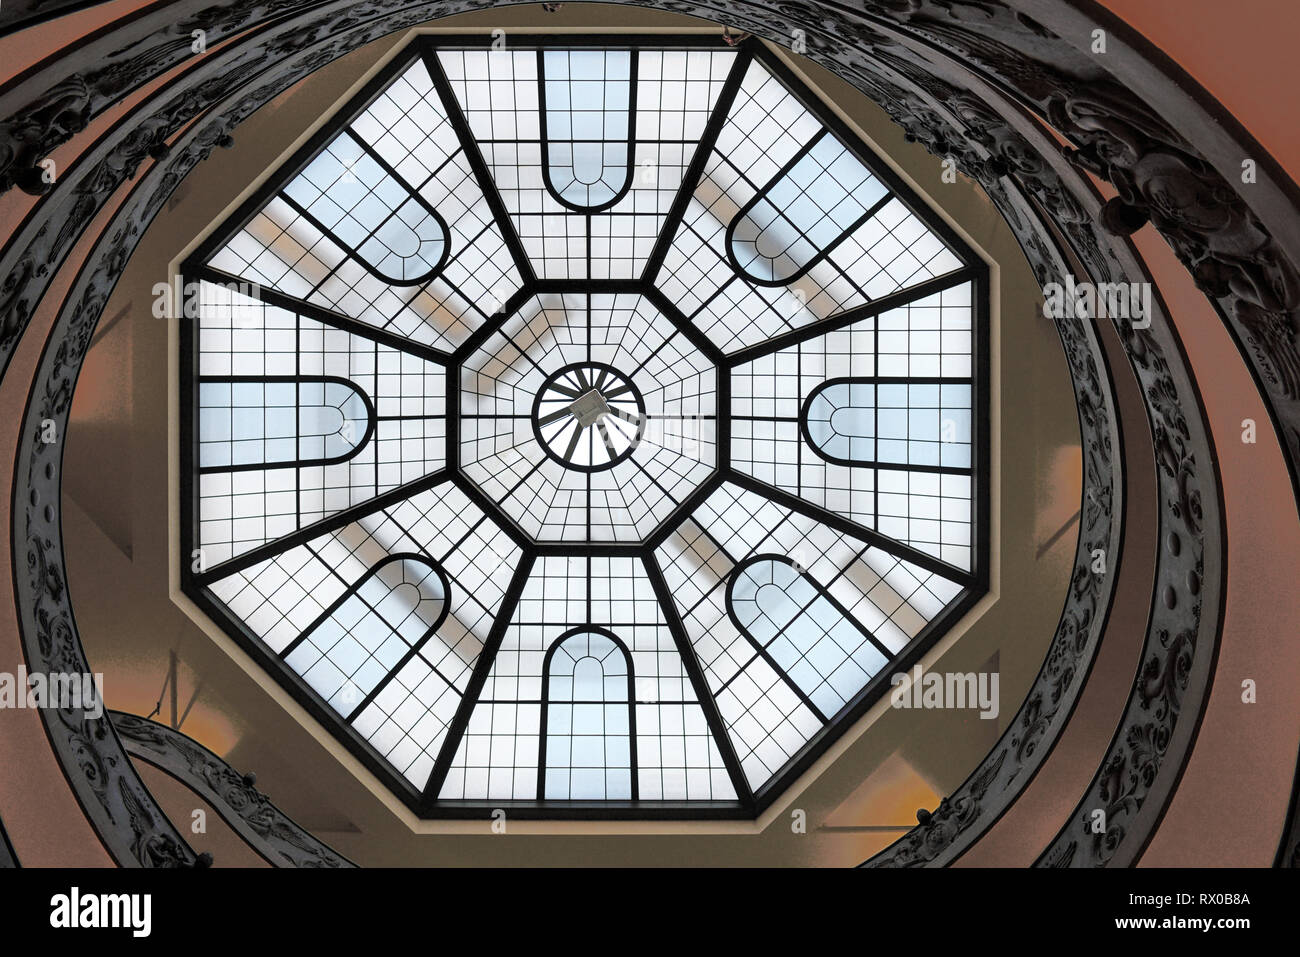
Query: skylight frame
(750, 802)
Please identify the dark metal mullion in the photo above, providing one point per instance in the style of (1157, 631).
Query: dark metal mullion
(695, 171)
(609, 442)
(839, 320)
(524, 478)
(573, 443)
(542, 721)
(482, 667)
(723, 548)
(349, 591)
(848, 527)
(384, 682)
(717, 292)
(501, 331)
(839, 606)
(798, 445)
(875, 417)
(555, 433)
(686, 651)
(470, 300)
(564, 624)
(822, 254)
(672, 498)
(852, 141)
(492, 507)
(297, 423)
(336, 521)
(657, 349)
(508, 141)
(451, 428)
(321, 314)
(880, 646)
(899, 467)
(760, 651)
(633, 758)
(451, 106)
(411, 652)
(455, 547)
(693, 333)
(374, 465)
(722, 417)
(585, 286)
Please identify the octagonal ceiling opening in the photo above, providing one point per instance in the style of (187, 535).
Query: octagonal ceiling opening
(587, 427)
(618, 401)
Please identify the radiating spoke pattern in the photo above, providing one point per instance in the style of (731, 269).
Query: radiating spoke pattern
(588, 416)
(584, 423)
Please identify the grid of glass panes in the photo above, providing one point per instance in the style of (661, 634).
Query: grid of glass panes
(786, 227)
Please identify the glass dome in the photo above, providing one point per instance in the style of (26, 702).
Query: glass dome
(586, 425)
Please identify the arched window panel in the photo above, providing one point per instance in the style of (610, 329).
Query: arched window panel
(408, 128)
(501, 756)
(788, 226)
(316, 604)
(590, 729)
(365, 634)
(768, 717)
(391, 198)
(889, 252)
(588, 98)
(767, 711)
(767, 720)
(874, 420)
(868, 422)
(257, 422)
(381, 221)
(800, 215)
(282, 250)
(549, 177)
(336, 418)
(802, 630)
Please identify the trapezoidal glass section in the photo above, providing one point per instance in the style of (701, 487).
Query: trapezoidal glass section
(589, 426)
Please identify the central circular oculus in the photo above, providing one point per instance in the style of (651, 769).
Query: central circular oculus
(588, 416)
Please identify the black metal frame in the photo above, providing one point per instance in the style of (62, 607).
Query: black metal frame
(372, 419)
(576, 367)
(546, 139)
(545, 703)
(876, 463)
(354, 252)
(351, 592)
(750, 803)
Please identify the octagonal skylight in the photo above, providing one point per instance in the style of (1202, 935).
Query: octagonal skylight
(588, 425)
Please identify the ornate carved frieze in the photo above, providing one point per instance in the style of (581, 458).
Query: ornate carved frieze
(233, 795)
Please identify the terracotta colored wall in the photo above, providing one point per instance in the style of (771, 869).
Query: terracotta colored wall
(1243, 52)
